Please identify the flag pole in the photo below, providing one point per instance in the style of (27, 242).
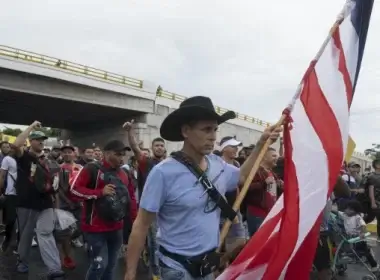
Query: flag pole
(243, 192)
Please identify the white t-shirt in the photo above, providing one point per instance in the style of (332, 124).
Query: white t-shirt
(349, 179)
(353, 224)
(9, 164)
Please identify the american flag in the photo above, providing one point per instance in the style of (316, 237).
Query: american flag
(315, 146)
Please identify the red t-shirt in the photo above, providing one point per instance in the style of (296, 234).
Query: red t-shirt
(73, 170)
(261, 197)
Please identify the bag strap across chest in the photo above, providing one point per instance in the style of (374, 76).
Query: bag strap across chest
(226, 210)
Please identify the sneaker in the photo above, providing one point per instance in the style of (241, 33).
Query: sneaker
(22, 268)
(55, 275)
(76, 243)
(34, 242)
(68, 263)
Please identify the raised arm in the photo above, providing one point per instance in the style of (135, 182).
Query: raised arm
(128, 126)
(23, 136)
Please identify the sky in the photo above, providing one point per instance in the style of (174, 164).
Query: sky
(247, 56)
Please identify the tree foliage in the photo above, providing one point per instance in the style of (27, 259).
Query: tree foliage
(373, 152)
(49, 132)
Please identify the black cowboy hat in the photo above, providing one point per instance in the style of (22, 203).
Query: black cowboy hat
(192, 109)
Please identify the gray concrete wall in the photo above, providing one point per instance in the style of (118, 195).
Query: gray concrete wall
(45, 86)
(147, 127)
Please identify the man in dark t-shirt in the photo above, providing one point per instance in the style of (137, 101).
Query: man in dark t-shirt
(35, 188)
(373, 184)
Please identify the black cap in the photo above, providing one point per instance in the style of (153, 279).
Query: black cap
(71, 147)
(116, 146)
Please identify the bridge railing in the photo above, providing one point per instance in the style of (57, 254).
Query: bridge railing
(179, 98)
(75, 68)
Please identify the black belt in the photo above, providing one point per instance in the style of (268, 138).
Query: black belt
(198, 266)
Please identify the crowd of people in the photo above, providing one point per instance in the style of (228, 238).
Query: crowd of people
(127, 198)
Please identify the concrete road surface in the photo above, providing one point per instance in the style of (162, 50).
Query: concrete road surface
(7, 268)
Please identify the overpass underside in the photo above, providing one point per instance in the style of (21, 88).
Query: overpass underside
(23, 108)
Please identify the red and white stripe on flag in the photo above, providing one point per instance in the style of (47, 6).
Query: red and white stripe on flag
(284, 247)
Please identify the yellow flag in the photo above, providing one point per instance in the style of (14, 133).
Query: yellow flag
(11, 139)
(350, 149)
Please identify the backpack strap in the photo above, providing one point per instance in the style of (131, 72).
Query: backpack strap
(227, 211)
(93, 168)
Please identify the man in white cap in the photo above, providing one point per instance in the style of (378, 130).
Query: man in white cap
(229, 148)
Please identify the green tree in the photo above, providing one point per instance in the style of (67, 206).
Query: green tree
(373, 152)
(49, 132)
(11, 131)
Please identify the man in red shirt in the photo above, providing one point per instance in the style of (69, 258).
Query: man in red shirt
(145, 165)
(263, 192)
(93, 186)
(69, 170)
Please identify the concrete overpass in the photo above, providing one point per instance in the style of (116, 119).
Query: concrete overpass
(91, 104)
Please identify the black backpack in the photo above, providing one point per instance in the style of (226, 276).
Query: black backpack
(110, 208)
(45, 173)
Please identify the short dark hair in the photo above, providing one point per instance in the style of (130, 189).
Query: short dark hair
(218, 153)
(3, 143)
(250, 147)
(158, 139)
(83, 150)
(354, 205)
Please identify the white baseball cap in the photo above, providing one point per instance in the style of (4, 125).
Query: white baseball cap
(229, 141)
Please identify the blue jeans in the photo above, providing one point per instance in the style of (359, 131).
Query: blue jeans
(253, 223)
(168, 273)
(103, 262)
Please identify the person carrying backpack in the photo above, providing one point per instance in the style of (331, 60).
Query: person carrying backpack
(108, 194)
(36, 186)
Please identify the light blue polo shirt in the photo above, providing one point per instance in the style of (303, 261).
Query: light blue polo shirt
(185, 224)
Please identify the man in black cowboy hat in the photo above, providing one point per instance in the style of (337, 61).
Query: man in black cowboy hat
(188, 208)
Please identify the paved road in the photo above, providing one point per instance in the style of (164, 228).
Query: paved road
(7, 272)
(37, 268)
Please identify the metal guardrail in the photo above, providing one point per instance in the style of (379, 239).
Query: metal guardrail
(75, 68)
(69, 66)
(220, 110)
